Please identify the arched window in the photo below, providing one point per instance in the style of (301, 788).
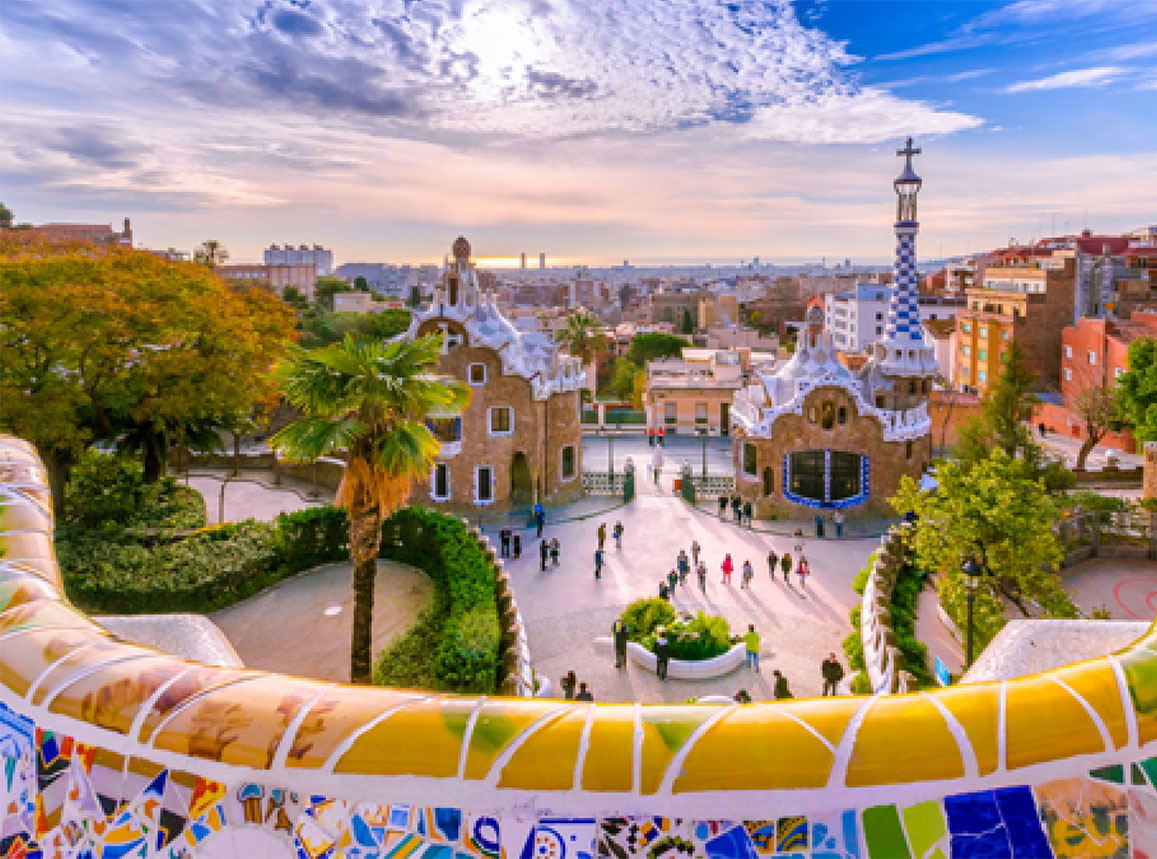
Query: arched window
(907, 450)
(828, 414)
(768, 481)
(453, 282)
(842, 415)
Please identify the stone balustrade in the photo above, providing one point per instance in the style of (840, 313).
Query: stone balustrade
(883, 661)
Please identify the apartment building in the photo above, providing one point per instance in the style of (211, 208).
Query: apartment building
(695, 390)
(299, 267)
(858, 319)
(1028, 302)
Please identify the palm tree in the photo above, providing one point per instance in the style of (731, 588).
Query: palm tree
(210, 252)
(369, 399)
(583, 340)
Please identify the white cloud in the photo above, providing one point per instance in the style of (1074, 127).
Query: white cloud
(1090, 77)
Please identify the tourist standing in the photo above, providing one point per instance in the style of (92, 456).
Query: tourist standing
(602, 534)
(544, 553)
(747, 512)
(727, 566)
(803, 571)
(722, 505)
(662, 653)
(621, 633)
(695, 552)
(838, 521)
(672, 580)
(751, 646)
(584, 694)
(785, 567)
(736, 508)
(772, 563)
(664, 592)
(618, 532)
(517, 540)
(504, 539)
(833, 673)
(555, 550)
(539, 518)
(748, 574)
(568, 683)
(683, 563)
(780, 690)
(657, 464)
(701, 571)
(599, 563)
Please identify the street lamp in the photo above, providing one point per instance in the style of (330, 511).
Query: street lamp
(972, 572)
(703, 433)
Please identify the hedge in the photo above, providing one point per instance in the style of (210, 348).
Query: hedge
(466, 657)
(210, 569)
(703, 637)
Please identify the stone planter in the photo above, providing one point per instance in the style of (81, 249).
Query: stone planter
(679, 669)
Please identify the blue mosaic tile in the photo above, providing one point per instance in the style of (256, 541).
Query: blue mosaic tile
(985, 845)
(732, 844)
(1022, 820)
(971, 813)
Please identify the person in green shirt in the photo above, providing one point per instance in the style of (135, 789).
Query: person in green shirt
(781, 691)
(751, 641)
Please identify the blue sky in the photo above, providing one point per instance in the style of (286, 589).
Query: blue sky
(654, 130)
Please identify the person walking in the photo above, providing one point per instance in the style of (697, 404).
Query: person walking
(618, 532)
(838, 522)
(539, 518)
(780, 690)
(621, 634)
(772, 563)
(602, 534)
(584, 694)
(598, 563)
(672, 580)
(664, 592)
(785, 568)
(662, 653)
(736, 508)
(657, 464)
(555, 550)
(504, 541)
(695, 549)
(803, 571)
(747, 512)
(543, 553)
(751, 646)
(517, 540)
(819, 524)
(683, 563)
(722, 505)
(832, 673)
(727, 566)
(568, 683)
(748, 574)
(701, 571)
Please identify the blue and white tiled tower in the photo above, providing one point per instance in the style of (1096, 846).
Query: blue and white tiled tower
(904, 352)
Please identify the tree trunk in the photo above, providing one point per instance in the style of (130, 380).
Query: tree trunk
(365, 540)
(57, 466)
(236, 453)
(1084, 452)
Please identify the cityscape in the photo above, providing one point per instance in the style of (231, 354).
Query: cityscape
(547, 430)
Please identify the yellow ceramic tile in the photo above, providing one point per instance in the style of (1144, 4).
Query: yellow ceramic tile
(424, 738)
(928, 751)
(760, 748)
(241, 724)
(84, 659)
(609, 760)
(498, 724)
(196, 680)
(15, 516)
(42, 614)
(546, 761)
(1097, 684)
(21, 588)
(829, 717)
(26, 544)
(1043, 722)
(977, 708)
(1140, 668)
(26, 654)
(112, 698)
(665, 731)
(333, 717)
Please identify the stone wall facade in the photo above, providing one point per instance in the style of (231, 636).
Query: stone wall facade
(539, 432)
(888, 461)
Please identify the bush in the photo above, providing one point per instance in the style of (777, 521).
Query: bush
(315, 535)
(408, 662)
(466, 655)
(642, 616)
(905, 593)
(704, 637)
(860, 582)
(107, 492)
(861, 684)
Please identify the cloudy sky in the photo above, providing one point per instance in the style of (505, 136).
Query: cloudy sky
(594, 130)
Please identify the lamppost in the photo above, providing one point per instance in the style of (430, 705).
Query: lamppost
(972, 573)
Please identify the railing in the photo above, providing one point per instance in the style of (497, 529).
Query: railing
(882, 658)
(602, 483)
(714, 484)
(192, 759)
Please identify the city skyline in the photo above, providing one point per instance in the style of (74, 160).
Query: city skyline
(649, 131)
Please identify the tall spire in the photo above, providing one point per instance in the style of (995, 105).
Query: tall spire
(903, 350)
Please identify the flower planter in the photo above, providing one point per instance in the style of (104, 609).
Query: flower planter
(680, 669)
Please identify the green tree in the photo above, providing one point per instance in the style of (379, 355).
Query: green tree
(125, 346)
(368, 400)
(648, 347)
(211, 253)
(361, 284)
(622, 382)
(326, 328)
(1097, 407)
(583, 338)
(415, 299)
(993, 512)
(1138, 389)
(5, 217)
(326, 289)
(688, 323)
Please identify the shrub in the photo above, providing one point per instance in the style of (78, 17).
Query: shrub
(642, 616)
(905, 593)
(861, 684)
(408, 662)
(315, 535)
(703, 637)
(107, 492)
(860, 582)
(466, 657)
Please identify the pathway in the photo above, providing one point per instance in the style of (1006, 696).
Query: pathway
(253, 496)
(1128, 589)
(293, 627)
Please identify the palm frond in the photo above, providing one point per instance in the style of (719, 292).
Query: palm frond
(311, 437)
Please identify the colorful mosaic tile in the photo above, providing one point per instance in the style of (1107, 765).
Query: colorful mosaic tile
(1084, 818)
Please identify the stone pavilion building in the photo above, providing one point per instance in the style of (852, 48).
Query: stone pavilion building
(811, 435)
(519, 440)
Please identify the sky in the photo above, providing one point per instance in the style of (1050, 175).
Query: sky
(596, 131)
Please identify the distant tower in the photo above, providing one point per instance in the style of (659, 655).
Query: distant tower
(458, 279)
(903, 355)
(542, 262)
(522, 260)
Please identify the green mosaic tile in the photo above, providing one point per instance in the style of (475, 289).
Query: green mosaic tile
(1138, 775)
(1150, 767)
(883, 834)
(1114, 773)
(925, 825)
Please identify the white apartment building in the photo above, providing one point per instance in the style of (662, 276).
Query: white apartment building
(858, 319)
(303, 255)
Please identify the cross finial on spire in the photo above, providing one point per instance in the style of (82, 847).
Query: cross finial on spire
(908, 151)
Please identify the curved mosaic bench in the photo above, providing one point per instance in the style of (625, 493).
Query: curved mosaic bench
(111, 749)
